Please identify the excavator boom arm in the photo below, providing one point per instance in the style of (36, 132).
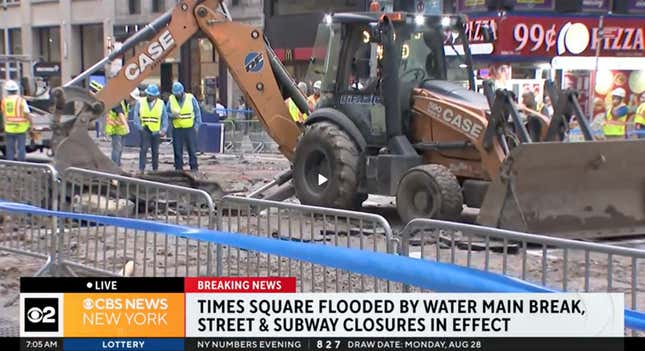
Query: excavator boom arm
(181, 26)
(244, 50)
(242, 47)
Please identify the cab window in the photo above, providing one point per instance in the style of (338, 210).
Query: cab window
(364, 69)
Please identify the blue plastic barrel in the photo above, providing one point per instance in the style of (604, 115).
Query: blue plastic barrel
(210, 137)
(134, 138)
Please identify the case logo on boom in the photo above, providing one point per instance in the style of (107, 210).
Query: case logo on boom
(154, 52)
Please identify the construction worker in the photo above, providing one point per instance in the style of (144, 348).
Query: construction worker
(639, 118)
(101, 122)
(186, 117)
(220, 109)
(616, 117)
(151, 119)
(294, 111)
(116, 126)
(142, 90)
(17, 122)
(95, 87)
(312, 100)
(546, 107)
(599, 111)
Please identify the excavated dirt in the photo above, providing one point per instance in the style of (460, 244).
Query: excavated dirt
(235, 173)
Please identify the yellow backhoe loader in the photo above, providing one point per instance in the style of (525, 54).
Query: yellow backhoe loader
(391, 121)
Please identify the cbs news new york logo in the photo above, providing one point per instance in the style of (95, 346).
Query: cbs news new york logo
(41, 315)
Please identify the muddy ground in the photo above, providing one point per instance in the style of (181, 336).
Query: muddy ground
(234, 173)
(109, 250)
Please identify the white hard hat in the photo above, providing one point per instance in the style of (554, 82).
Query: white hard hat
(619, 92)
(135, 94)
(317, 84)
(11, 85)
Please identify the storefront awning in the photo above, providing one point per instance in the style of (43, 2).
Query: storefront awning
(475, 49)
(604, 63)
(526, 37)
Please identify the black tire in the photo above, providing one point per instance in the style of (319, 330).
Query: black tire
(326, 150)
(429, 191)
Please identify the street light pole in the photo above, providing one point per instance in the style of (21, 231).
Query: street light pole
(594, 75)
(6, 38)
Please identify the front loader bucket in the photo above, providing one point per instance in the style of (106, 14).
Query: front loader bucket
(574, 190)
(72, 144)
(79, 150)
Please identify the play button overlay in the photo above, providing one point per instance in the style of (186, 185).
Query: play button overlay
(321, 179)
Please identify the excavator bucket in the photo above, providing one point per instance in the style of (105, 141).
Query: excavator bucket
(72, 145)
(573, 190)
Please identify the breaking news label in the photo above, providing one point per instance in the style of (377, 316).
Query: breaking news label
(266, 313)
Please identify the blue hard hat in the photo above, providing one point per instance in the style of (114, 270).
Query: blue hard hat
(152, 90)
(177, 88)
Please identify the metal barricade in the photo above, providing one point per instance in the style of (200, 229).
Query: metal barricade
(631, 130)
(246, 135)
(561, 264)
(34, 184)
(287, 221)
(116, 251)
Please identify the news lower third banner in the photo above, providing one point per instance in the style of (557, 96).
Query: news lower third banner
(175, 314)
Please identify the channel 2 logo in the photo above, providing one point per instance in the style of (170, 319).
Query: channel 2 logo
(41, 314)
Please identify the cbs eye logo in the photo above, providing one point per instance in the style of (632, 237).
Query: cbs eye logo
(41, 315)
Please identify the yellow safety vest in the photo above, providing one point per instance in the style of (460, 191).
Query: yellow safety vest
(294, 111)
(15, 121)
(186, 112)
(614, 126)
(312, 101)
(640, 114)
(114, 125)
(151, 117)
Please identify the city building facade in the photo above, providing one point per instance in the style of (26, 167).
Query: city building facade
(58, 39)
(69, 34)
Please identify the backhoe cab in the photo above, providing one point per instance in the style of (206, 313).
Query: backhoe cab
(359, 139)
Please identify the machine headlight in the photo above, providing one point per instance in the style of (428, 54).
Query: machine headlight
(445, 22)
(327, 19)
(419, 20)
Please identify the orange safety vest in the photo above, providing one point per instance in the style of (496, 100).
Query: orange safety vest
(312, 100)
(15, 121)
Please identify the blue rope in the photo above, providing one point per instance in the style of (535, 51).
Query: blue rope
(435, 276)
